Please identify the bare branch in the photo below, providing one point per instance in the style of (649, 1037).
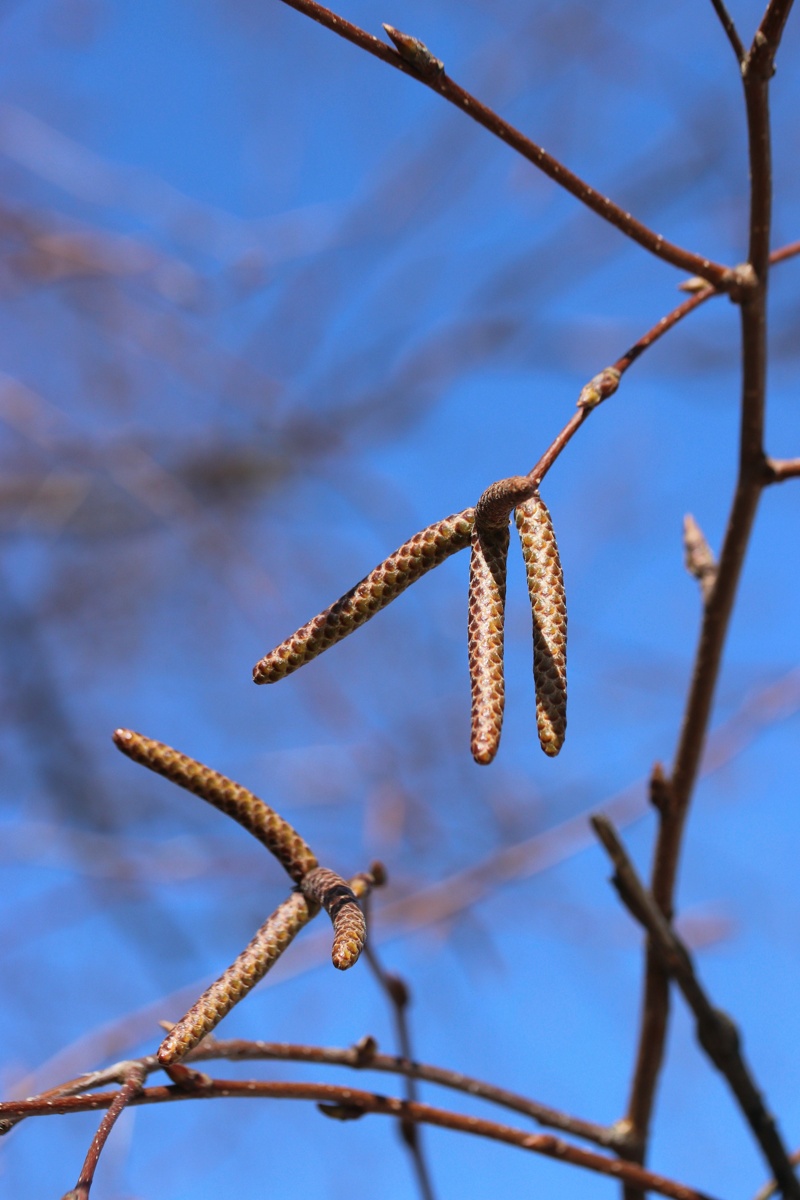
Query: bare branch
(716, 1032)
(730, 29)
(131, 1086)
(368, 1102)
(440, 82)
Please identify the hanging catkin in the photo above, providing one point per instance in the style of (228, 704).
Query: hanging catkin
(548, 604)
(487, 595)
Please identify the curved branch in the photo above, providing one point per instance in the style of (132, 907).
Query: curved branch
(357, 1103)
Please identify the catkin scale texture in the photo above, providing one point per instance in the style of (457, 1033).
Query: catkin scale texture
(231, 798)
(324, 887)
(241, 976)
(421, 553)
(549, 610)
(485, 636)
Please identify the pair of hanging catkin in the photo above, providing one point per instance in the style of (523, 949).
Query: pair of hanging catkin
(487, 594)
(485, 528)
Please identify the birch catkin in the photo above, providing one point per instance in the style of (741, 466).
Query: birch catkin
(385, 583)
(548, 604)
(487, 596)
(325, 887)
(296, 857)
(241, 977)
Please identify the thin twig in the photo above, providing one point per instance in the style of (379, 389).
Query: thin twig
(439, 81)
(716, 1032)
(730, 29)
(780, 469)
(398, 994)
(131, 1086)
(752, 477)
(368, 1102)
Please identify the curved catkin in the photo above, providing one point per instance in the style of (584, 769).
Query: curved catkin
(549, 607)
(231, 798)
(485, 634)
(500, 499)
(385, 583)
(241, 976)
(325, 887)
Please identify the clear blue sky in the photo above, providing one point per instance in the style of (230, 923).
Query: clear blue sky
(269, 308)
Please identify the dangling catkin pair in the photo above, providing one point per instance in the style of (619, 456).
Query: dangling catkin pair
(487, 593)
(485, 528)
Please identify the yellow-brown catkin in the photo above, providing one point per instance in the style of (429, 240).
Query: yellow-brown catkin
(231, 798)
(485, 634)
(549, 607)
(241, 976)
(325, 887)
(385, 583)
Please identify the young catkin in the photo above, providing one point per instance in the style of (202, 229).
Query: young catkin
(487, 596)
(235, 801)
(548, 604)
(385, 583)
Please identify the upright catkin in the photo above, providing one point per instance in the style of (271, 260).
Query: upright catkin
(549, 609)
(384, 583)
(485, 635)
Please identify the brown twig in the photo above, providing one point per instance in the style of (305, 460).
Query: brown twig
(399, 996)
(756, 71)
(780, 469)
(716, 1032)
(441, 83)
(131, 1087)
(368, 1102)
(730, 29)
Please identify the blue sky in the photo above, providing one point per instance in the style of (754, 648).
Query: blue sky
(269, 308)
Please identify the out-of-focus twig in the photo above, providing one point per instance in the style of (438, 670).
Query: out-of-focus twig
(399, 997)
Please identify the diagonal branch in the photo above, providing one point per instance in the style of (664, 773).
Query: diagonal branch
(716, 1032)
(420, 68)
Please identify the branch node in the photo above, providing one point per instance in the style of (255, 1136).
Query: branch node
(365, 1050)
(661, 795)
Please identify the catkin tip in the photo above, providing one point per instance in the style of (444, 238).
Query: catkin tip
(484, 754)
